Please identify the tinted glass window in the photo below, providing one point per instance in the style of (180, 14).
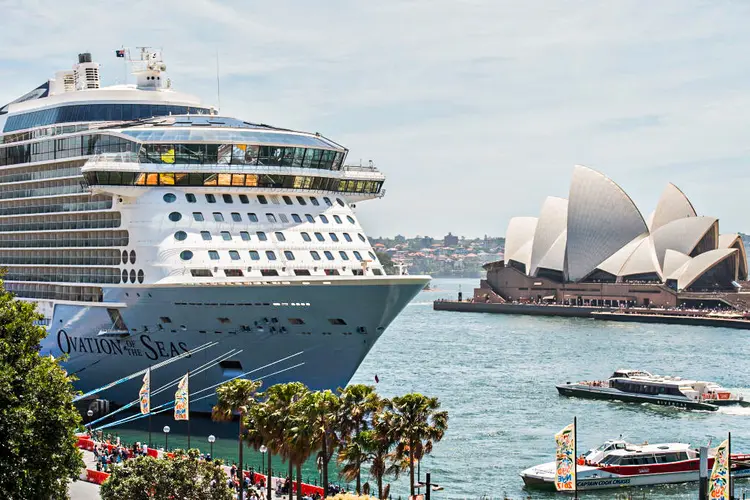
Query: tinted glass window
(206, 235)
(190, 197)
(319, 237)
(236, 217)
(180, 235)
(262, 200)
(343, 255)
(170, 197)
(254, 255)
(337, 219)
(315, 255)
(288, 200)
(328, 255)
(306, 236)
(340, 202)
(357, 255)
(245, 235)
(262, 236)
(296, 218)
(301, 200)
(213, 255)
(347, 237)
(226, 236)
(314, 201)
(198, 216)
(227, 198)
(175, 216)
(289, 255)
(361, 237)
(210, 198)
(270, 255)
(218, 217)
(280, 236)
(328, 201)
(234, 255)
(252, 217)
(350, 219)
(309, 218)
(184, 255)
(243, 199)
(323, 219)
(333, 236)
(271, 217)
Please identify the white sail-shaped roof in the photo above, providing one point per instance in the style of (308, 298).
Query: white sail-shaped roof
(553, 220)
(674, 262)
(672, 205)
(641, 261)
(520, 233)
(614, 264)
(682, 235)
(702, 263)
(555, 257)
(734, 240)
(601, 220)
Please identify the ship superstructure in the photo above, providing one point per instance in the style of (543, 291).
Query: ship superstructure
(144, 224)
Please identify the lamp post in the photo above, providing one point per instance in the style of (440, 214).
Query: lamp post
(166, 437)
(211, 440)
(90, 414)
(263, 450)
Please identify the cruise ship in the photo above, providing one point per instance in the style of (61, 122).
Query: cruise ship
(144, 224)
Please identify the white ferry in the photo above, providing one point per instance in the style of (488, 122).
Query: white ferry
(617, 464)
(642, 387)
(144, 224)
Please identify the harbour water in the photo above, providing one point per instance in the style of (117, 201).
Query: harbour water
(496, 376)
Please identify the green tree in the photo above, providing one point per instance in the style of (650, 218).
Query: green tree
(322, 409)
(184, 477)
(37, 417)
(281, 417)
(358, 402)
(385, 260)
(236, 396)
(416, 423)
(264, 430)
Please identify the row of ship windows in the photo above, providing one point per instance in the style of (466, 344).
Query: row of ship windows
(262, 236)
(68, 239)
(97, 220)
(236, 273)
(40, 172)
(63, 186)
(262, 199)
(240, 154)
(252, 217)
(69, 147)
(56, 292)
(38, 133)
(40, 206)
(69, 274)
(273, 181)
(78, 257)
(271, 255)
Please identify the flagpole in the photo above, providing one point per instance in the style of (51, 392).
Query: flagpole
(575, 456)
(188, 407)
(149, 407)
(729, 466)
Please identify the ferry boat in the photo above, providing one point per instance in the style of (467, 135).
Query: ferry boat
(144, 224)
(639, 386)
(617, 464)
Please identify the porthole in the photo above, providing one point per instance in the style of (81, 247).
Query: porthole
(132, 256)
(132, 275)
(170, 197)
(140, 276)
(186, 255)
(180, 235)
(124, 256)
(175, 216)
(124, 275)
(340, 202)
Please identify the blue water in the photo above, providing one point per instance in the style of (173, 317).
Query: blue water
(496, 376)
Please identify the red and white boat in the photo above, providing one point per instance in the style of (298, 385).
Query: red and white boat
(617, 464)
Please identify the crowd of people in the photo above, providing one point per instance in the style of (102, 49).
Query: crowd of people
(107, 454)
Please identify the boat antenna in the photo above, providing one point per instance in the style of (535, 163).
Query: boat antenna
(218, 83)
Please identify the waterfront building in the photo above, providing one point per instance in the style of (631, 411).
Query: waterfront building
(143, 224)
(596, 248)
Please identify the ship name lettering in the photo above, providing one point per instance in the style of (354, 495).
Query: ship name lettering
(153, 350)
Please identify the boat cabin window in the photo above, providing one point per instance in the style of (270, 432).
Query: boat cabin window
(611, 460)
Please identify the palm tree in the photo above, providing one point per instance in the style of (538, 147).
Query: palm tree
(236, 396)
(358, 402)
(323, 413)
(300, 435)
(281, 399)
(265, 431)
(416, 424)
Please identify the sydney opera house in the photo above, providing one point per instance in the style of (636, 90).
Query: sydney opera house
(596, 248)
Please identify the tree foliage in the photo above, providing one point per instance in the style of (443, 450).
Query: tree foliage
(38, 454)
(184, 477)
(385, 260)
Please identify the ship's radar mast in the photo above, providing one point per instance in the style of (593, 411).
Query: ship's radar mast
(149, 69)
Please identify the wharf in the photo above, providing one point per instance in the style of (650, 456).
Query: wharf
(598, 313)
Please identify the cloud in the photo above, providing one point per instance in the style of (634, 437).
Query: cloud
(475, 110)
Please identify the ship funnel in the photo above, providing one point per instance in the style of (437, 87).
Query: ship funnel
(86, 73)
(85, 57)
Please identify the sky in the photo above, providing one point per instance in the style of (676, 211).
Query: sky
(474, 110)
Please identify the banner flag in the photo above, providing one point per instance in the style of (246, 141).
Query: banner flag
(718, 482)
(181, 400)
(145, 393)
(565, 467)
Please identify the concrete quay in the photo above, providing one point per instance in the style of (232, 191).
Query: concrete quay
(677, 317)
